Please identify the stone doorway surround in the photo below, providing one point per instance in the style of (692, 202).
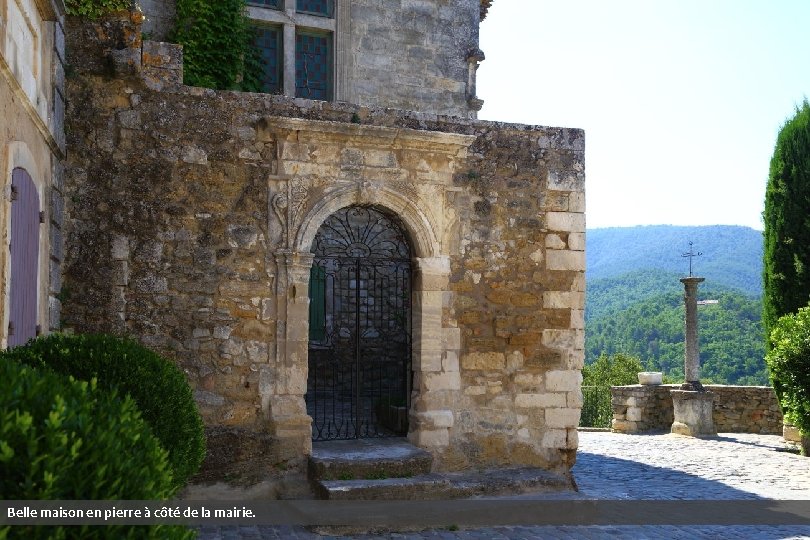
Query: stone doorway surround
(323, 167)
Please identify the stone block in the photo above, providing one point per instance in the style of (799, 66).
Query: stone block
(162, 55)
(475, 390)
(623, 426)
(484, 361)
(559, 339)
(441, 381)
(450, 361)
(514, 361)
(573, 439)
(557, 259)
(576, 202)
(194, 154)
(528, 379)
(576, 241)
(435, 419)
(633, 414)
(563, 380)
(563, 300)
(543, 400)
(451, 338)
(554, 438)
(427, 360)
(565, 222)
(562, 418)
(427, 438)
(553, 241)
(576, 359)
(578, 319)
(575, 399)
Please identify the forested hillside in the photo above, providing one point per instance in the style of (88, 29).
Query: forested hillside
(639, 309)
(732, 256)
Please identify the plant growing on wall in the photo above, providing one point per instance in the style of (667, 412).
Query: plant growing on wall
(218, 50)
(93, 9)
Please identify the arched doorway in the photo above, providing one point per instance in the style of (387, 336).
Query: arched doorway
(24, 252)
(359, 378)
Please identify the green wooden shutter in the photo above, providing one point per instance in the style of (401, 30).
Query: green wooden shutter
(317, 303)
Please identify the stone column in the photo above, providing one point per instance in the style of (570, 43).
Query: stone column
(692, 405)
(691, 368)
(286, 381)
(430, 418)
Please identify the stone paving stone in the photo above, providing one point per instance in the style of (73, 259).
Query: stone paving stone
(616, 466)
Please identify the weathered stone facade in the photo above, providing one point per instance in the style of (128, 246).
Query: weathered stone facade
(737, 409)
(413, 55)
(32, 140)
(192, 216)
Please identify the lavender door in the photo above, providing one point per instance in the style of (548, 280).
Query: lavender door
(24, 258)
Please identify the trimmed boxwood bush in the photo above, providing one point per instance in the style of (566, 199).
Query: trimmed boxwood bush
(789, 364)
(66, 439)
(158, 387)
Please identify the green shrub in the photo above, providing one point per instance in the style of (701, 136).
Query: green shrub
(66, 439)
(789, 365)
(93, 9)
(158, 387)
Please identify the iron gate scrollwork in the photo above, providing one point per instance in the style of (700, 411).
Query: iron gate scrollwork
(359, 380)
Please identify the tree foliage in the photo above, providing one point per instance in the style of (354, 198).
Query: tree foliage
(615, 370)
(789, 362)
(787, 221)
(218, 45)
(730, 332)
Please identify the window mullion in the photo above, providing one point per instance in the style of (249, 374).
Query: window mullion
(289, 59)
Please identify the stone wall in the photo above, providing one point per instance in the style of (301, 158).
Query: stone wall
(413, 55)
(192, 215)
(158, 18)
(737, 409)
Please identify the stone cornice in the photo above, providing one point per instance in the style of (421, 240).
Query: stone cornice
(369, 135)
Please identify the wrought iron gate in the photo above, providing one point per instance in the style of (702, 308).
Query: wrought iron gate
(359, 381)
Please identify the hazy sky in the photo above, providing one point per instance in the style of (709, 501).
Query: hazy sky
(681, 100)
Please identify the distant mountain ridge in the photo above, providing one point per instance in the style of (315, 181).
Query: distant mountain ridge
(731, 255)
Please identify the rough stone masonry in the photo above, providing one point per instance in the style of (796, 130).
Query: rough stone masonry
(191, 216)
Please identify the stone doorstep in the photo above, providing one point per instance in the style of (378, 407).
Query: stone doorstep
(437, 486)
(367, 458)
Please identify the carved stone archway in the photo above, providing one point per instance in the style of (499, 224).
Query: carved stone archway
(302, 202)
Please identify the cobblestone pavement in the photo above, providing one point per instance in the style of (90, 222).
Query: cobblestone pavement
(626, 467)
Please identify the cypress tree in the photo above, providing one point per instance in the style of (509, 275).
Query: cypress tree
(786, 278)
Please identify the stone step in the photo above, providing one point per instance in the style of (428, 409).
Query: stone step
(367, 459)
(435, 486)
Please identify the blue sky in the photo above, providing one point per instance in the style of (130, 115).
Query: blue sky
(681, 100)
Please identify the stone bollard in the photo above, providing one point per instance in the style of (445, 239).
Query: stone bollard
(693, 413)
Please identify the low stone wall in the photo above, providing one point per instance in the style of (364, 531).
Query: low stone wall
(737, 409)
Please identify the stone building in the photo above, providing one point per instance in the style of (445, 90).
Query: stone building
(32, 147)
(374, 263)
